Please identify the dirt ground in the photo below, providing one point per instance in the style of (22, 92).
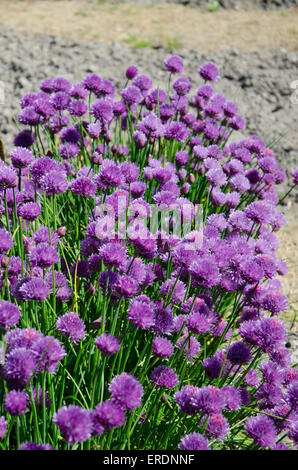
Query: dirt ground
(168, 25)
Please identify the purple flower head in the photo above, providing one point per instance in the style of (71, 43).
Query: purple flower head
(83, 186)
(292, 395)
(60, 100)
(9, 315)
(29, 117)
(54, 182)
(68, 150)
(113, 255)
(15, 403)
(204, 273)
(107, 344)
(239, 183)
(232, 398)
(190, 346)
(21, 157)
(20, 364)
(94, 130)
(35, 446)
(131, 95)
(42, 235)
(131, 72)
(194, 441)
(110, 176)
(5, 241)
(8, 177)
(77, 108)
(259, 212)
(29, 211)
(176, 131)
(182, 86)
(3, 427)
(74, 423)
(49, 352)
(275, 302)
(33, 288)
(212, 367)
(40, 167)
(141, 312)
(239, 353)
(126, 391)
(174, 64)
(295, 176)
(106, 416)
(130, 172)
(164, 377)
(102, 110)
(262, 430)
(209, 72)
(151, 126)
(162, 347)
(43, 255)
(72, 326)
(209, 400)
(217, 427)
(173, 290)
(92, 83)
(143, 82)
(24, 139)
(60, 84)
(78, 92)
(267, 333)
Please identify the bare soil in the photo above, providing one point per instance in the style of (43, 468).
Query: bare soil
(167, 25)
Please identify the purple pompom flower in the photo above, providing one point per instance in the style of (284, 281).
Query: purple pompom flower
(194, 441)
(48, 352)
(217, 427)
(182, 86)
(107, 344)
(15, 403)
(141, 312)
(174, 64)
(164, 377)
(35, 446)
(72, 326)
(3, 427)
(8, 177)
(34, 288)
(262, 430)
(19, 366)
(74, 423)
(209, 72)
(239, 353)
(106, 416)
(131, 72)
(126, 391)
(83, 186)
(162, 347)
(29, 211)
(9, 315)
(43, 255)
(5, 241)
(21, 157)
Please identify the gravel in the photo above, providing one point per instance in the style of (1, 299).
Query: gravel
(210, 5)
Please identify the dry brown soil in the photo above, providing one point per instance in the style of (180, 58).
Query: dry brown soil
(168, 25)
